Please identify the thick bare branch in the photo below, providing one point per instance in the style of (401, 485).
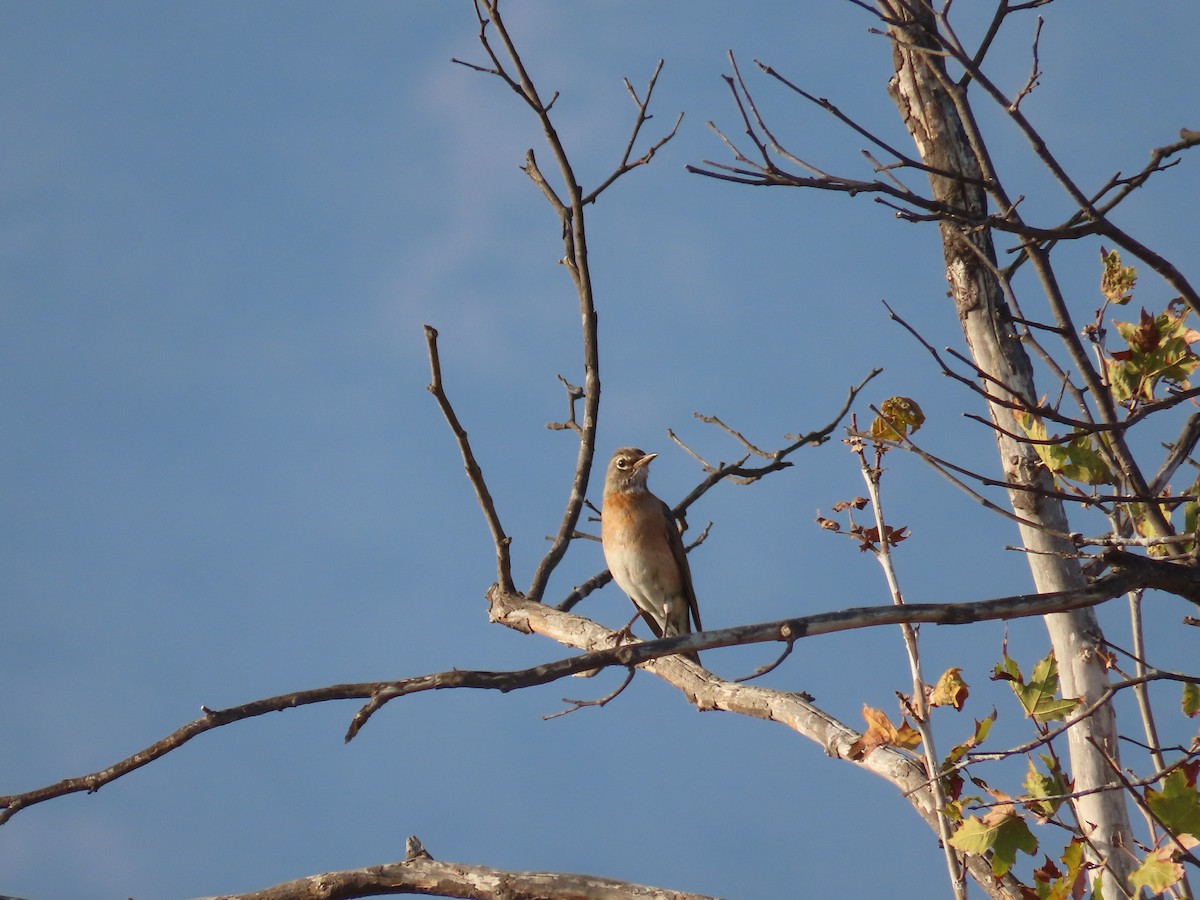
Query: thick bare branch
(519, 613)
(421, 874)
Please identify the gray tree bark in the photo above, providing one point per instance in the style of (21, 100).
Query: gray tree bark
(926, 98)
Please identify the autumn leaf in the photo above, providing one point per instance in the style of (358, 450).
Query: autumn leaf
(856, 503)
(952, 785)
(899, 417)
(882, 733)
(1051, 883)
(1117, 281)
(1047, 871)
(1142, 337)
(870, 536)
(1159, 349)
(950, 690)
(1160, 871)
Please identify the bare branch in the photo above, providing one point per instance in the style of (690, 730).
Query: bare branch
(1180, 450)
(474, 473)
(1184, 851)
(597, 581)
(570, 211)
(943, 469)
(574, 394)
(625, 165)
(11, 805)
(748, 474)
(1158, 163)
(736, 435)
(1094, 499)
(1103, 225)
(902, 158)
(522, 614)
(871, 473)
(602, 701)
(421, 874)
(771, 666)
(1036, 73)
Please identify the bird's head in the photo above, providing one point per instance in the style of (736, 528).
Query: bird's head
(627, 470)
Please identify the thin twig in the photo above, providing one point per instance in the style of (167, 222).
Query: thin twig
(1074, 719)
(883, 554)
(643, 116)
(1036, 73)
(501, 540)
(575, 705)
(1184, 852)
(769, 667)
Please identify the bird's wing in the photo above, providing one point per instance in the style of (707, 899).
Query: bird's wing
(677, 550)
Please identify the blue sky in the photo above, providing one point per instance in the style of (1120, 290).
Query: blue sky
(223, 226)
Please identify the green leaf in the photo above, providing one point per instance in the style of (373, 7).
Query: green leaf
(1050, 784)
(1157, 873)
(1177, 805)
(1084, 463)
(1001, 832)
(1039, 696)
(1007, 670)
(977, 737)
(1191, 699)
(1158, 350)
(1076, 459)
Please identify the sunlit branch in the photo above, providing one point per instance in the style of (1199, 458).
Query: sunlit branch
(513, 607)
(419, 873)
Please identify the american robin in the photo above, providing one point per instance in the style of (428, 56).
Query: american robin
(644, 549)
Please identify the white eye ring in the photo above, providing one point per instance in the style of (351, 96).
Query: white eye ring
(622, 463)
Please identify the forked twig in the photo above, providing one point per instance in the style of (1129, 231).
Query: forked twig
(575, 705)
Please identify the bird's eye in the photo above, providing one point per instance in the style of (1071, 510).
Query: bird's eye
(622, 463)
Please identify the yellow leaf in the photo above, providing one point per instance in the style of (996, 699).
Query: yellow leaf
(899, 417)
(950, 690)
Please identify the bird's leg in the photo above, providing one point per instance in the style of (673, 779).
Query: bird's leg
(626, 633)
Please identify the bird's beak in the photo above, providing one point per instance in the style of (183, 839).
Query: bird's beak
(644, 461)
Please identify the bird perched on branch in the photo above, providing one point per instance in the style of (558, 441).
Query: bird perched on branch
(644, 549)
